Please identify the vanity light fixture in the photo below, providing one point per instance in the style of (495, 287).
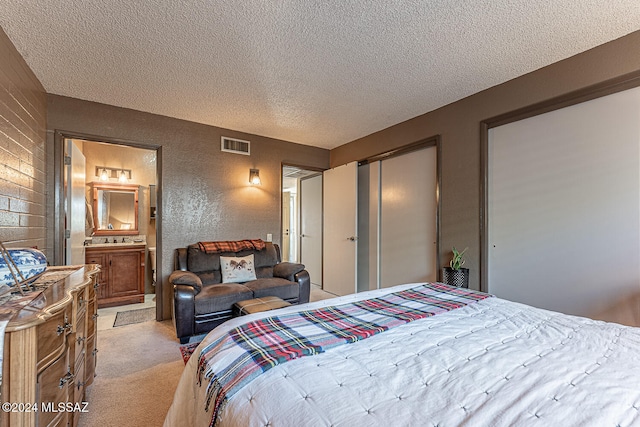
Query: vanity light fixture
(254, 177)
(106, 173)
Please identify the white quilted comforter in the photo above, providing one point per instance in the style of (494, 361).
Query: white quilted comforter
(492, 363)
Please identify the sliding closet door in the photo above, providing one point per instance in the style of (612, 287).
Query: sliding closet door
(408, 218)
(564, 208)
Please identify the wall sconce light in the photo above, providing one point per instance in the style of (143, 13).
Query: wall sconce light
(105, 173)
(254, 177)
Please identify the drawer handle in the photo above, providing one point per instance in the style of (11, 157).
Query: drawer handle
(81, 339)
(95, 316)
(66, 379)
(80, 384)
(94, 352)
(63, 329)
(96, 285)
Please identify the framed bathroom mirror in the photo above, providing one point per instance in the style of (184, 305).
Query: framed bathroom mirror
(115, 209)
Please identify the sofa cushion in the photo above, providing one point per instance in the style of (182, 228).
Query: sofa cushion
(200, 262)
(264, 272)
(268, 257)
(237, 269)
(275, 286)
(210, 277)
(220, 297)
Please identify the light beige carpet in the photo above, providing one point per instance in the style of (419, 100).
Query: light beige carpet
(138, 370)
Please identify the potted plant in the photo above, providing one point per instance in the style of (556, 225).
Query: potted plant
(455, 274)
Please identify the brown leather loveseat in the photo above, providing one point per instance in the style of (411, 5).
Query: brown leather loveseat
(201, 299)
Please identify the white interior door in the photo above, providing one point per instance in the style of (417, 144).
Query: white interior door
(408, 207)
(76, 208)
(340, 222)
(311, 227)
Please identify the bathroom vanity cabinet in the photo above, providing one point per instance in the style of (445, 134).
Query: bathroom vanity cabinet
(121, 279)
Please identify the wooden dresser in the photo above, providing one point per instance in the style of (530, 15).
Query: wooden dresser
(50, 351)
(121, 279)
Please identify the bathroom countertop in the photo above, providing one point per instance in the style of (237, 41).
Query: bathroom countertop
(116, 245)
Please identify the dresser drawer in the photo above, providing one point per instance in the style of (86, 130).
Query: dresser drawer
(53, 385)
(80, 338)
(52, 336)
(92, 316)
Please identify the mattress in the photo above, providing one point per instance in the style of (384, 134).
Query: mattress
(493, 362)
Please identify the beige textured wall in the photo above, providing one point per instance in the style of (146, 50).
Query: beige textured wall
(205, 193)
(459, 126)
(23, 116)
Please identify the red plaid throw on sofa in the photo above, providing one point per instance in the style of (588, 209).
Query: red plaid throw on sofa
(231, 246)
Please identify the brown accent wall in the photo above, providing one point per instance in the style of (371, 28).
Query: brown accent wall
(459, 126)
(205, 193)
(23, 116)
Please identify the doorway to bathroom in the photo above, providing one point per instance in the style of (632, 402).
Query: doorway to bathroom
(110, 219)
(302, 219)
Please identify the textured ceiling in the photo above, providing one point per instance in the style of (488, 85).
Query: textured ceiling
(314, 72)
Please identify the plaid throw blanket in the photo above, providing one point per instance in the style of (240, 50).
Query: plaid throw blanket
(231, 246)
(236, 358)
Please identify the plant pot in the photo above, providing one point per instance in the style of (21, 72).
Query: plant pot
(458, 278)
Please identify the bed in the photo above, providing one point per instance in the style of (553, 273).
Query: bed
(484, 362)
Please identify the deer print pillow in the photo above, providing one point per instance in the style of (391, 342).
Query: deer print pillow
(237, 269)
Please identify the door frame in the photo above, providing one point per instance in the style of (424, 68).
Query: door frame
(298, 166)
(59, 137)
(321, 220)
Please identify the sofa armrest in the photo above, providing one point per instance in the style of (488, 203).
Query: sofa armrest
(304, 281)
(287, 270)
(184, 311)
(186, 278)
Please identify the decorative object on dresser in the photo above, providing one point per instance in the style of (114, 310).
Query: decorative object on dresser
(49, 354)
(19, 267)
(121, 279)
(455, 275)
(203, 299)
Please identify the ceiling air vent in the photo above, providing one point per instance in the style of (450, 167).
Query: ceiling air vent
(237, 146)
